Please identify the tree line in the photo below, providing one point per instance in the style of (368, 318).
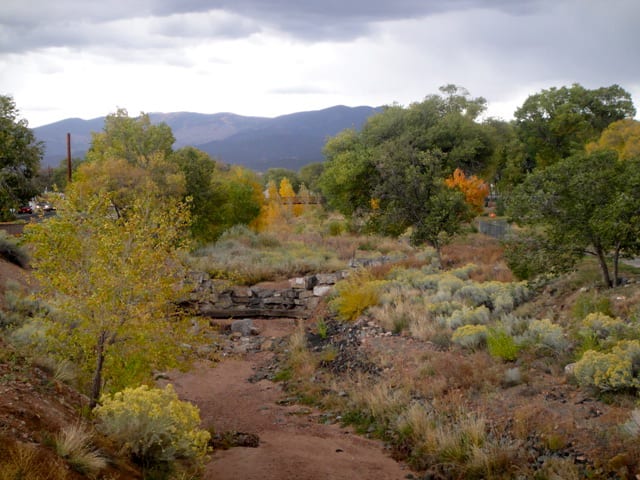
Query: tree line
(567, 168)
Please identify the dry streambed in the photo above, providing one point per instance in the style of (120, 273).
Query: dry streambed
(294, 441)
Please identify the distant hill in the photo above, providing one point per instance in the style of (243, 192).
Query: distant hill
(288, 141)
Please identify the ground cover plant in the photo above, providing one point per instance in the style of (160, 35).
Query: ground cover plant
(470, 380)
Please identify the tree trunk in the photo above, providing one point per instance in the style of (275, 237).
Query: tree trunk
(604, 268)
(616, 263)
(96, 385)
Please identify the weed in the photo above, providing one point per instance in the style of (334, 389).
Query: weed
(322, 328)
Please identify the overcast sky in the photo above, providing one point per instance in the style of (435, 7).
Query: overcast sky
(86, 58)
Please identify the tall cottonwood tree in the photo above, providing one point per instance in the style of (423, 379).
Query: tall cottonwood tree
(112, 279)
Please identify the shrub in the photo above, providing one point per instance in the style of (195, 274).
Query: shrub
(616, 370)
(502, 345)
(473, 295)
(470, 336)
(355, 294)
(544, 332)
(153, 425)
(588, 303)
(601, 326)
(468, 316)
(19, 461)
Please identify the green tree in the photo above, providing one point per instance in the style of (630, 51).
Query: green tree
(20, 155)
(412, 194)
(558, 122)
(368, 174)
(310, 175)
(57, 178)
(585, 204)
(133, 139)
(239, 198)
(198, 169)
(113, 281)
(349, 175)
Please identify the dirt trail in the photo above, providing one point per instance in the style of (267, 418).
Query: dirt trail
(293, 444)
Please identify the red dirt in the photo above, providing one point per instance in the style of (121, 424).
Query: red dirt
(293, 444)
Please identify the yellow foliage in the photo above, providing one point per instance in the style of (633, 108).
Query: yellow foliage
(474, 189)
(355, 294)
(153, 424)
(622, 136)
(114, 277)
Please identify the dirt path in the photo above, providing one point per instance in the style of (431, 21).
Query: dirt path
(293, 444)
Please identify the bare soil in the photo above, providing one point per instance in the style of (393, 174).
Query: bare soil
(295, 443)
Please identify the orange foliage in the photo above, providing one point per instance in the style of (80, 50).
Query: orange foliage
(474, 189)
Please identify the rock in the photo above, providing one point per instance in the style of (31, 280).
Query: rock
(245, 327)
(321, 291)
(569, 369)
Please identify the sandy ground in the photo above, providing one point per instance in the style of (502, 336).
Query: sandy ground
(293, 443)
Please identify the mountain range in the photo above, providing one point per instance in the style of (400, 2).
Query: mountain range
(259, 143)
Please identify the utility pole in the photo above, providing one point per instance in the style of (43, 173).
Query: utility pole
(68, 157)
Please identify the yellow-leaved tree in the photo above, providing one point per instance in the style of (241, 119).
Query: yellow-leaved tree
(622, 136)
(475, 190)
(112, 276)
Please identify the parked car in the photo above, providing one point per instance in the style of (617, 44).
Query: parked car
(25, 209)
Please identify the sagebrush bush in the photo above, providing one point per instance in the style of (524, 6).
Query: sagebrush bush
(546, 334)
(610, 371)
(470, 336)
(153, 425)
(601, 327)
(468, 316)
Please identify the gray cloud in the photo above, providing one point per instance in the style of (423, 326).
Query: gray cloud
(74, 23)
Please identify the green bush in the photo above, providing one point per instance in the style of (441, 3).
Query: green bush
(615, 370)
(502, 345)
(153, 425)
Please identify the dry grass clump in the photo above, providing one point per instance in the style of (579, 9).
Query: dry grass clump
(26, 462)
(456, 444)
(482, 250)
(74, 444)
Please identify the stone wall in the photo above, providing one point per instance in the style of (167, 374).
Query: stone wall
(294, 298)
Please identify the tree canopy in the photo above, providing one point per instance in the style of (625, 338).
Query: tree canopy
(20, 155)
(586, 203)
(391, 174)
(113, 280)
(556, 123)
